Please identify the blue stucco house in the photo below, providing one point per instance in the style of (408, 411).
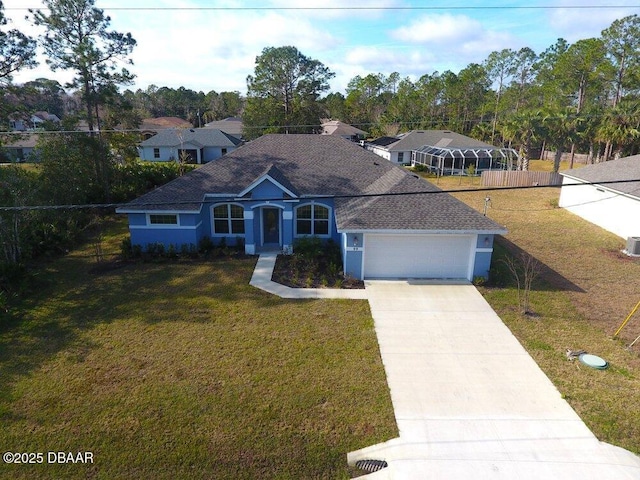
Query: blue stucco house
(389, 222)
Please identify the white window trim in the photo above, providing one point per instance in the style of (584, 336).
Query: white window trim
(229, 220)
(312, 220)
(163, 225)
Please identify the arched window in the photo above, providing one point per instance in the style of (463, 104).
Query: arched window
(312, 219)
(228, 219)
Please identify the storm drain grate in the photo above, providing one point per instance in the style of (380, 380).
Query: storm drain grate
(371, 466)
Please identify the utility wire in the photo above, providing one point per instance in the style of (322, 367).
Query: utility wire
(358, 8)
(139, 205)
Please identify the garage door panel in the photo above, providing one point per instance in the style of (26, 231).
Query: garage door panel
(417, 256)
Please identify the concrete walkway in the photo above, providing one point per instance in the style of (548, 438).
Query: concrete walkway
(262, 279)
(469, 401)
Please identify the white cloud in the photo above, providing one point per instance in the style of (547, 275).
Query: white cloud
(575, 24)
(442, 29)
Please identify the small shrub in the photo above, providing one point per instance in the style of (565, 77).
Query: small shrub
(308, 247)
(136, 251)
(126, 248)
(333, 269)
(240, 244)
(155, 250)
(205, 245)
(172, 252)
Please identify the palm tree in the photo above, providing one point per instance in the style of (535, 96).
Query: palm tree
(523, 128)
(620, 126)
(558, 127)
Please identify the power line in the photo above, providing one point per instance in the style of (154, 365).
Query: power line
(358, 8)
(311, 197)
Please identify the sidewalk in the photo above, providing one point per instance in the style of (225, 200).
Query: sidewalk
(262, 279)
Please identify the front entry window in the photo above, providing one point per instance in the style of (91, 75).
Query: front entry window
(312, 220)
(228, 219)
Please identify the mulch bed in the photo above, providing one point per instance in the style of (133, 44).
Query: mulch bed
(296, 274)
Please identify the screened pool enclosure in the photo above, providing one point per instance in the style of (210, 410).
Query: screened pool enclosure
(464, 161)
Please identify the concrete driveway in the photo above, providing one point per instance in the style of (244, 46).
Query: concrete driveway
(469, 401)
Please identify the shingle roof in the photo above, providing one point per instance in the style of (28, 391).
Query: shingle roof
(335, 127)
(624, 169)
(208, 137)
(415, 139)
(160, 123)
(231, 125)
(324, 165)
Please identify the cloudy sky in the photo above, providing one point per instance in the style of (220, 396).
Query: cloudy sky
(212, 44)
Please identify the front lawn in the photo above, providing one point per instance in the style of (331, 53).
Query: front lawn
(182, 370)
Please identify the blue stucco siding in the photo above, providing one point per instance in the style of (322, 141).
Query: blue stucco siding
(266, 190)
(136, 219)
(352, 254)
(187, 231)
(173, 236)
(482, 264)
(483, 254)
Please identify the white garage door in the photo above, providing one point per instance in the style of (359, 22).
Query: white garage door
(417, 256)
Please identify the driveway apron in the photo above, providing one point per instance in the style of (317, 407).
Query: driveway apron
(469, 401)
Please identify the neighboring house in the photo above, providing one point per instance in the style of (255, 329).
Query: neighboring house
(231, 125)
(389, 222)
(19, 123)
(348, 132)
(443, 152)
(151, 126)
(19, 148)
(39, 118)
(200, 145)
(612, 206)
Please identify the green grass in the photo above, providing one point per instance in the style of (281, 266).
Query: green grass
(585, 290)
(183, 370)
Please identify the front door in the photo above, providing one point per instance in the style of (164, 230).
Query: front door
(270, 226)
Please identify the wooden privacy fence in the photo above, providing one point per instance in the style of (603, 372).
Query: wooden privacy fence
(519, 178)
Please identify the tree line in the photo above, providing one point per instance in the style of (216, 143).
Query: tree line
(581, 96)
(571, 97)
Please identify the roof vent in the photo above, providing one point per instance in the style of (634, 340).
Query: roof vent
(192, 130)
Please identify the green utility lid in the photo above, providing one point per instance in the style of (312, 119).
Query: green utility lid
(593, 361)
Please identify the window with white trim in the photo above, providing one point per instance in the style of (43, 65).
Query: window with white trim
(312, 220)
(163, 219)
(228, 218)
(156, 153)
